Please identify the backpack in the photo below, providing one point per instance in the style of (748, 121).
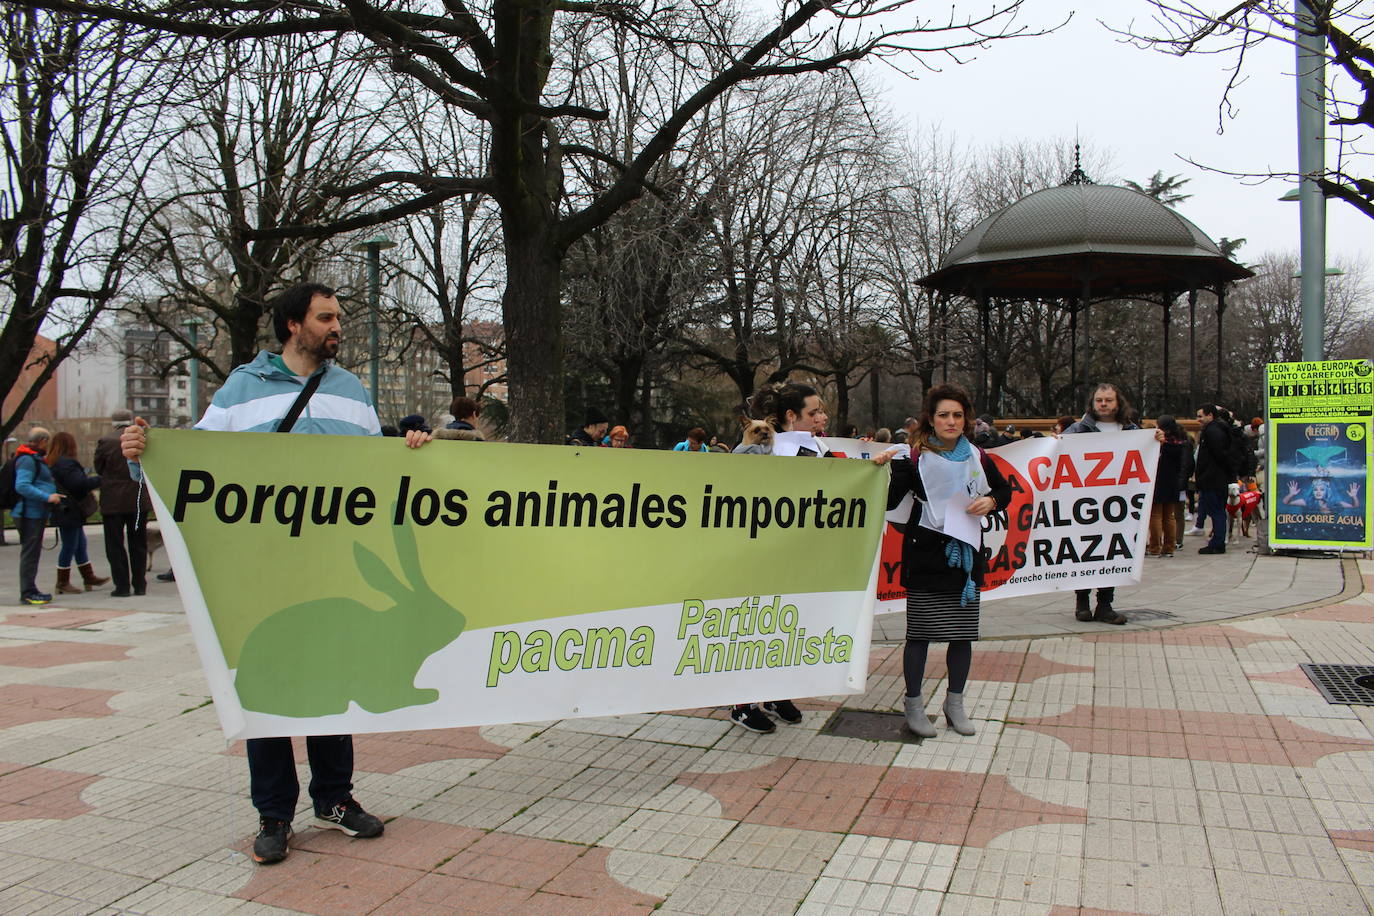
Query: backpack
(9, 496)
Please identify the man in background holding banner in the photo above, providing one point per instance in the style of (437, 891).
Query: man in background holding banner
(325, 399)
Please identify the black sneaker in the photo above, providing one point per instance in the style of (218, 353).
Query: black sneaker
(271, 844)
(35, 600)
(350, 817)
(1211, 550)
(168, 576)
(785, 710)
(751, 718)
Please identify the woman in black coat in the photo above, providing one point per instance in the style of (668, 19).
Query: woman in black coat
(940, 573)
(75, 485)
(1171, 479)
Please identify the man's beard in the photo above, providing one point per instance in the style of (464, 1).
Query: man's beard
(326, 348)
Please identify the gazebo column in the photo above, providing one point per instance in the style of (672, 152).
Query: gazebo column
(983, 307)
(1073, 352)
(1087, 337)
(1192, 348)
(1221, 310)
(1168, 316)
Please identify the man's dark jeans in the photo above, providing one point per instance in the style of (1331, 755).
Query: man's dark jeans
(272, 774)
(30, 552)
(1212, 504)
(131, 564)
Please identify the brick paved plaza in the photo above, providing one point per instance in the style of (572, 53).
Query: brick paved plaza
(1183, 764)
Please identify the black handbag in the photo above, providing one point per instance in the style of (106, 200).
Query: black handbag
(73, 511)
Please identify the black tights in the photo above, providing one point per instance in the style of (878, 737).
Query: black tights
(958, 659)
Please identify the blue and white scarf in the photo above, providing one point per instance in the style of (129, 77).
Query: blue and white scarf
(958, 554)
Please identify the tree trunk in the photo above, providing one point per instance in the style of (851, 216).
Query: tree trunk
(243, 324)
(627, 375)
(874, 393)
(841, 418)
(534, 332)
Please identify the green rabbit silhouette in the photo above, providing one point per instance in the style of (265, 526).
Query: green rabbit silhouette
(311, 659)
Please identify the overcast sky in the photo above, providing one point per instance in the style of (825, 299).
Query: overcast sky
(1146, 110)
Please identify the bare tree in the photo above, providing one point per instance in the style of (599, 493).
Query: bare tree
(80, 102)
(501, 65)
(836, 268)
(1346, 29)
(1267, 316)
(455, 246)
(923, 215)
(772, 160)
(264, 133)
(629, 279)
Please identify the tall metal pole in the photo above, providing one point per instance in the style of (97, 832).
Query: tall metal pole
(1311, 165)
(374, 297)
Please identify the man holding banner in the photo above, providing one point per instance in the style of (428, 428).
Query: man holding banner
(1108, 411)
(299, 391)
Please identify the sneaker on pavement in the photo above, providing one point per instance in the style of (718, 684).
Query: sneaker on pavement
(785, 710)
(752, 718)
(1211, 550)
(350, 817)
(35, 600)
(1195, 532)
(272, 843)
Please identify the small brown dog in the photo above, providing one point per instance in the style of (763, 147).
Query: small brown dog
(757, 433)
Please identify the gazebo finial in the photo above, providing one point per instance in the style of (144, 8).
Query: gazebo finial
(1077, 176)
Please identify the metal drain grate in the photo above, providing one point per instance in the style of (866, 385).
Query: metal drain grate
(870, 726)
(1145, 613)
(1348, 685)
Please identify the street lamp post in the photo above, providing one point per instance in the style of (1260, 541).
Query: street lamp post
(1311, 165)
(374, 248)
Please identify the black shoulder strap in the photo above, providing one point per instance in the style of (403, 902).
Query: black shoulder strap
(294, 413)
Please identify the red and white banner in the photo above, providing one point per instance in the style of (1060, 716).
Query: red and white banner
(1079, 515)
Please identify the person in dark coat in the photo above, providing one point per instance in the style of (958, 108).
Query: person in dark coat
(124, 513)
(70, 516)
(465, 413)
(1171, 478)
(940, 573)
(591, 432)
(1215, 472)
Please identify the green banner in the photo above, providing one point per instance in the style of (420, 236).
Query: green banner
(1319, 418)
(336, 574)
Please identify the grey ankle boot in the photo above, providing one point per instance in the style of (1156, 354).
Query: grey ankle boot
(955, 716)
(916, 718)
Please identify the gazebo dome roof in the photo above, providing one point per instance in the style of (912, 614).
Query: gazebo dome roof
(1049, 241)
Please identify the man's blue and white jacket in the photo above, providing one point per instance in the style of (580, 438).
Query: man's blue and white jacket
(257, 395)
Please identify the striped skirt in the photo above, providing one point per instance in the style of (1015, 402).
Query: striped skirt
(938, 616)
